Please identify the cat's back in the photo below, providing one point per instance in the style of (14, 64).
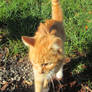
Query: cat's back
(55, 26)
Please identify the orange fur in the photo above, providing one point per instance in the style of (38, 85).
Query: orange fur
(46, 48)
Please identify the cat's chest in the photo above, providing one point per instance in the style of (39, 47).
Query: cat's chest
(55, 70)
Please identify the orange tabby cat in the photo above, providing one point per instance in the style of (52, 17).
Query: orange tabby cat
(46, 49)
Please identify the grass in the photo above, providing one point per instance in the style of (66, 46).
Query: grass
(18, 17)
(22, 18)
(78, 29)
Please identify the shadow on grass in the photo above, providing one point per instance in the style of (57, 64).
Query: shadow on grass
(73, 82)
(19, 27)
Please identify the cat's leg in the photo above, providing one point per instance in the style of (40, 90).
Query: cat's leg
(38, 81)
(59, 74)
(38, 84)
(45, 86)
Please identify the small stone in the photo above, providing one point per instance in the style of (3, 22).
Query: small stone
(1, 37)
(0, 78)
(1, 55)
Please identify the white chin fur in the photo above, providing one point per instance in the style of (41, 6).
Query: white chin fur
(59, 74)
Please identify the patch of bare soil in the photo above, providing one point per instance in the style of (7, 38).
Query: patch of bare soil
(16, 75)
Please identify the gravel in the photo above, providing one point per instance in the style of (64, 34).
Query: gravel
(16, 75)
(13, 71)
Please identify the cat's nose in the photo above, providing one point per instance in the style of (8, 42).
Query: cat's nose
(41, 71)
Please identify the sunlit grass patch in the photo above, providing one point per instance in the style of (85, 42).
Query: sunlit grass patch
(79, 68)
(16, 47)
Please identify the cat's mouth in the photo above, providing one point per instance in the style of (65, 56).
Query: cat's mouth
(48, 67)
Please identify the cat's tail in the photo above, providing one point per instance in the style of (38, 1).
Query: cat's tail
(56, 11)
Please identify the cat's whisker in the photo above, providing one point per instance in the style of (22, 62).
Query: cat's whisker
(59, 82)
(52, 83)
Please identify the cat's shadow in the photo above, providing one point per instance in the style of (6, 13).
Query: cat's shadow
(18, 27)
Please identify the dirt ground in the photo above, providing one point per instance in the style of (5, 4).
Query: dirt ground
(16, 76)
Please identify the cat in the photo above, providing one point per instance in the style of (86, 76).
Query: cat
(46, 49)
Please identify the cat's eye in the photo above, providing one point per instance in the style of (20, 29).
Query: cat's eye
(44, 64)
(59, 51)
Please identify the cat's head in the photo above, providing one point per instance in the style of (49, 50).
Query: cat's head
(45, 50)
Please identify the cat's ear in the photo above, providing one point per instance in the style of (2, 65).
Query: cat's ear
(28, 41)
(57, 44)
